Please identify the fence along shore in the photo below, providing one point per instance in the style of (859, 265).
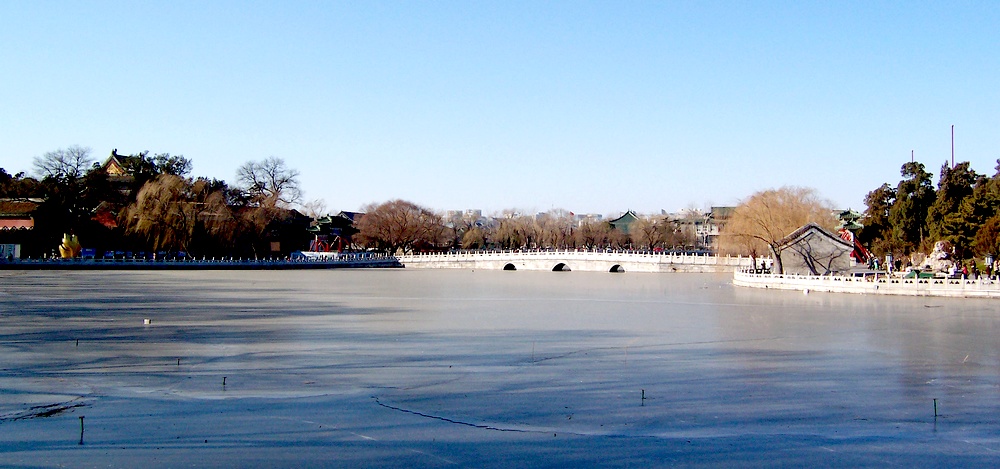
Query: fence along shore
(983, 287)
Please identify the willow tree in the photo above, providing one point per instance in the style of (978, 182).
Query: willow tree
(516, 231)
(474, 238)
(556, 229)
(169, 211)
(760, 223)
(593, 234)
(509, 233)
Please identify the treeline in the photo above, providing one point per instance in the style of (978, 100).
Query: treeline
(150, 203)
(153, 204)
(911, 216)
(402, 226)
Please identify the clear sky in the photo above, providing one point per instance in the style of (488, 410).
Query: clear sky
(587, 106)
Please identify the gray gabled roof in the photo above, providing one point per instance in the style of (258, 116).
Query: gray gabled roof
(812, 227)
(627, 217)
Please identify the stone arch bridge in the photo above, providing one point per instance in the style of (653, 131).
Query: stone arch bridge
(585, 261)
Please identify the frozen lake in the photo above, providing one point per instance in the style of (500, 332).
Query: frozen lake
(425, 368)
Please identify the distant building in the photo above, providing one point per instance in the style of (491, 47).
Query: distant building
(702, 227)
(693, 223)
(333, 232)
(624, 222)
(18, 214)
(472, 216)
(115, 165)
(17, 225)
(717, 218)
(849, 227)
(288, 232)
(352, 216)
(586, 217)
(849, 219)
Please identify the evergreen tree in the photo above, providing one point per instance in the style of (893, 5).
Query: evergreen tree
(908, 214)
(985, 215)
(950, 217)
(877, 230)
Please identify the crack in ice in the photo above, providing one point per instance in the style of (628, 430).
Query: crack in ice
(457, 422)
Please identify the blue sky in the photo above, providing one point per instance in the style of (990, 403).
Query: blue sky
(588, 106)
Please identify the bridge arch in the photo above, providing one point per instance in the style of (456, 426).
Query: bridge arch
(561, 267)
(617, 268)
(509, 266)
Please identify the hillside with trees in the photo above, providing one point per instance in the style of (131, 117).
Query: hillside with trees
(149, 203)
(908, 218)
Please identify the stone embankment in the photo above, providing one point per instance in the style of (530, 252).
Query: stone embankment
(872, 285)
(584, 261)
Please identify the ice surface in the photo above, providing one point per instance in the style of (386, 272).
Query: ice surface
(398, 368)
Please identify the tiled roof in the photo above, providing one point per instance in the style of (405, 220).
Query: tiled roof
(812, 227)
(17, 208)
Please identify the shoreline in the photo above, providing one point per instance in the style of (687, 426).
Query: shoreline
(879, 285)
(239, 264)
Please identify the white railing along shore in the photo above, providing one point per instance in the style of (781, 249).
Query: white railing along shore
(982, 287)
(638, 256)
(342, 259)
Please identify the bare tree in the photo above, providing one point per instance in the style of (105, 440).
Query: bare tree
(314, 208)
(514, 230)
(270, 182)
(619, 239)
(398, 225)
(268, 189)
(760, 223)
(69, 164)
(648, 232)
(674, 234)
(593, 234)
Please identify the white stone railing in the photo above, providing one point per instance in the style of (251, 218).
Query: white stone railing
(876, 285)
(300, 261)
(639, 256)
(581, 260)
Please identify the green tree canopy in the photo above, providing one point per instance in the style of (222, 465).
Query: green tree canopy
(877, 230)
(908, 214)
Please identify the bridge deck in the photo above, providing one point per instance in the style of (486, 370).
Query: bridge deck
(588, 261)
